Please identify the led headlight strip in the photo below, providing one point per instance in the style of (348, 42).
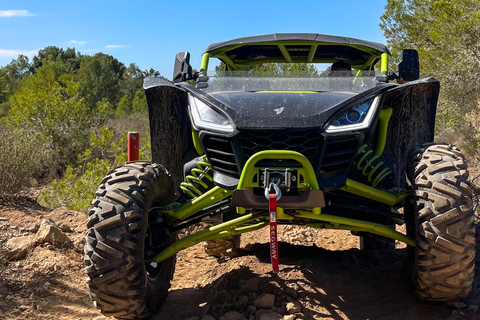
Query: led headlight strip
(356, 118)
(205, 117)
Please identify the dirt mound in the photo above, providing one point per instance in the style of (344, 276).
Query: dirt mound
(323, 275)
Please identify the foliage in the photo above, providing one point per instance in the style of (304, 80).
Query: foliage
(99, 78)
(63, 105)
(51, 53)
(446, 34)
(124, 106)
(77, 188)
(11, 74)
(19, 160)
(49, 108)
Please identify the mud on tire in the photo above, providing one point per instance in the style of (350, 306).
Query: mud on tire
(120, 283)
(444, 257)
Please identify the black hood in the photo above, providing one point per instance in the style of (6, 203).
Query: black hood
(263, 110)
(276, 110)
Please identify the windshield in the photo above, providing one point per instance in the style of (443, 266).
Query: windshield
(268, 80)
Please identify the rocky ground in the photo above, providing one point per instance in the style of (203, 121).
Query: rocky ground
(323, 275)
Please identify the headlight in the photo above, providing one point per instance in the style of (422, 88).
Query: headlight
(205, 117)
(358, 117)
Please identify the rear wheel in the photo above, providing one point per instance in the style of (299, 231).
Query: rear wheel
(121, 236)
(444, 256)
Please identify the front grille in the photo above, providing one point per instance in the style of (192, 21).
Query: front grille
(339, 154)
(220, 153)
(306, 142)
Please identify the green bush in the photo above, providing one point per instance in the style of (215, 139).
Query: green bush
(77, 188)
(20, 159)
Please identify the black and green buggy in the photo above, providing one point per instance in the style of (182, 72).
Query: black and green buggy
(351, 151)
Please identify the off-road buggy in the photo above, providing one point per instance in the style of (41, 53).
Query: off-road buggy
(350, 152)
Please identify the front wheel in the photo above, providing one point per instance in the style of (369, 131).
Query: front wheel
(120, 238)
(444, 256)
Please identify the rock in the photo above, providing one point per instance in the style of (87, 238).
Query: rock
(459, 305)
(17, 248)
(208, 317)
(192, 318)
(65, 228)
(294, 307)
(33, 228)
(291, 292)
(206, 307)
(270, 316)
(252, 317)
(249, 285)
(261, 312)
(51, 233)
(474, 308)
(234, 315)
(265, 300)
(289, 317)
(242, 301)
(252, 309)
(281, 310)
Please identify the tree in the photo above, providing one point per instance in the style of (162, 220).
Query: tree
(50, 109)
(139, 102)
(4, 87)
(54, 53)
(124, 106)
(16, 70)
(446, 35)
(99, 77)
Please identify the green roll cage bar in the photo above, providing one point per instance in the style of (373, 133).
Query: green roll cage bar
(250, 220)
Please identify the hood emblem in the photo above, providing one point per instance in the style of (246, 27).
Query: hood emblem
(279, 110)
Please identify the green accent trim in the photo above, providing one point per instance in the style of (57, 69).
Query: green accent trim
(228, 61)
(204, 64)
(311, 53)
(249, 170)
(222, 54)
(368, 192)
(183, 211)
(384, 65)
(222, 230)
(197, 144)
(285, 52)
(383, 120)
(358, 225)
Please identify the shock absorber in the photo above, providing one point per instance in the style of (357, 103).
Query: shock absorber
(371, 166)
(196, 179)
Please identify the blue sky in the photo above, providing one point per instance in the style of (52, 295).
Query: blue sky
(150, 33)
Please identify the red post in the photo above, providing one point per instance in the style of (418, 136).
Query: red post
(133, 146)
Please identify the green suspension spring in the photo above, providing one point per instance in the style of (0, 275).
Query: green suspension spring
(371, 165)
(190, 187)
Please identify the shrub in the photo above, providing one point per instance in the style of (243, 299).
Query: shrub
(77, 188)
(19, 160)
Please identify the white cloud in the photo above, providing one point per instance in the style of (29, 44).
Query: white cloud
(77, 42)
(14, 53)
(15, 13)
(115, 46)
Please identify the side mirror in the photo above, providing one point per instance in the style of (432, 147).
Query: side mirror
(409, 68)
(182, 71)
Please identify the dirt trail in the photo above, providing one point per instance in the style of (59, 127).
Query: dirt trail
(327, 274)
